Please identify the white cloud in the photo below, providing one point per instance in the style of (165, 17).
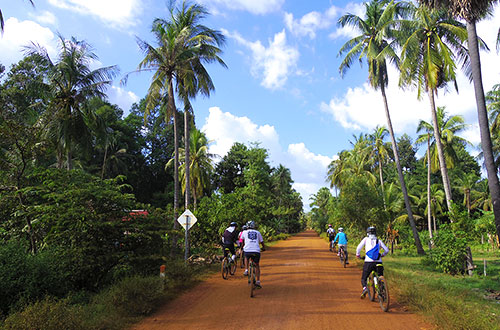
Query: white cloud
(45, 17)
(259, 7)
(348, 32)
(117, 13)
(310, 22)
(308, 169)
(272, 64)
(123, 98)
(18, 34)
(362, 108)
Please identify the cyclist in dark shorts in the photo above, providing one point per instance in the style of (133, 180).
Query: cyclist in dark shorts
(331, 235)
(251, 246)
(229, 238)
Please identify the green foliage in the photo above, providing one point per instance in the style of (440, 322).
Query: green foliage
(26, 278)
(47, 314)
(136, 296)
(449, 251)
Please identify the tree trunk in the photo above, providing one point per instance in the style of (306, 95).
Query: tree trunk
(418, 243)
(484, 127)
(381, 180)
(186, 158)
(104, 161)
(429, 221)
(173, 111)
(69, 164)
(439, 145)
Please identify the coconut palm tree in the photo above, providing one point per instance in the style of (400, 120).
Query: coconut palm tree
(71, 84)
(183, 46)
(374, 44)
(1, 16)
(428, 61)
(472, 11)
(467, 183)
(380, 152)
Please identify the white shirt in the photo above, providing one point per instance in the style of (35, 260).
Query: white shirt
(252, 239)
(369, 243)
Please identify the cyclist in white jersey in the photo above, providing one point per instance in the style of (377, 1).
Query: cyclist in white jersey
(251, 246)
(373, 257)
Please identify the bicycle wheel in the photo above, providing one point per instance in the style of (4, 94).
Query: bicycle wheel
(232, 267)
(242, 259)
(383, 294)
(252, 280)
(344, 258)
(341, 256)
(371, 288)
(224, 268)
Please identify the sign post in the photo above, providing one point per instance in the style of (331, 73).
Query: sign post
(187, 220)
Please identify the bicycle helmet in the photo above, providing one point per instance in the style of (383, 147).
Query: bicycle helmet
(341, 229)
(251, 224)
(233, 224)
(244, 227)
(329, 225)
(371, 230)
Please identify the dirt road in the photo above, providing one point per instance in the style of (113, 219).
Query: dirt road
(304, 287)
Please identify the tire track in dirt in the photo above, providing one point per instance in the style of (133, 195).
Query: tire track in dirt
(304, 287)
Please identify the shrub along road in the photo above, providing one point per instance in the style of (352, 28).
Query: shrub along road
(304, 287)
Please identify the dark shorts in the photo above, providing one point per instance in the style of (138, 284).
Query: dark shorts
(254, 255)
(230, 247)
(331, 238)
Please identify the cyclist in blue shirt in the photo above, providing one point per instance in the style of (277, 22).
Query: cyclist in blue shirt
(342, 239)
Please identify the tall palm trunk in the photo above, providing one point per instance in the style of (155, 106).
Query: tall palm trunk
(186, 157)
(418, 243)
(484, 127)
(173, 111)
(70, 163)
(429, 221)
(439, 145)
(381, 180)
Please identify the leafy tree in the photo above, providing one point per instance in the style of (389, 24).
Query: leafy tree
(71, 84)
(376, 46)
(229, 171)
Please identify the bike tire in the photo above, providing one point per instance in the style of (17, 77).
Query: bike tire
(242, 259)
(224, 268)
(232, 267)
(344, 262)
(383, 295)
(371, 288)
(252, 281)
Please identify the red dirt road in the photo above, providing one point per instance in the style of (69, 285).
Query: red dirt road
(304, 287)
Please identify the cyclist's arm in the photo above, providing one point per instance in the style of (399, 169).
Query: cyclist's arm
(360, 246)
(336, 237)
(386, 250)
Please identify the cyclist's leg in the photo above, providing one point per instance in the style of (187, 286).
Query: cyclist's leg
(256, 260)
(367, 269)
(233, 252)
(380, 269)
(345, 253)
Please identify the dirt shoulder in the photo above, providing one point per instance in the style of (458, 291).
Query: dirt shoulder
(304, 287)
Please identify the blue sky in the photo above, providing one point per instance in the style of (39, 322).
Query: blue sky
(282, 87)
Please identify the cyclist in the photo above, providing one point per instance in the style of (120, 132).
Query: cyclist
(240, 241)
(342, 238)
(251, 247)
(229, 238)
(331, 234)
(373, 257)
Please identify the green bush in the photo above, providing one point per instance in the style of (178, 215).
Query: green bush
(449, 252)
(48, 314)
(135, 296)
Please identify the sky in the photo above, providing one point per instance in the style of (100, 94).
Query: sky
(282, 87)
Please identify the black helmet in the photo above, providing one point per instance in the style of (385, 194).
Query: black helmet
(244, 227)
(233, 224)
(371, 230)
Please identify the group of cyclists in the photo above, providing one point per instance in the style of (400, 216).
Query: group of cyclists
(372, 246)
(248, 240)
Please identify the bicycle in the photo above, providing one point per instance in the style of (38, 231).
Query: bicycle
(343, 256)
(228, 266)
(241, 255)
(377, 286)
(251, 276)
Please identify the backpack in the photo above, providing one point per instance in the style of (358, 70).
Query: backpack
(374, 253)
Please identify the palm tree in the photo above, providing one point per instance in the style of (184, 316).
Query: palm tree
(436, 205)
(1, 16)
(472, 11)
(428, 55)
(71, 85)
(183, 47)
(380, 152)
(200, 167)
(375, 46)
(427, 138)
(466, 183)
